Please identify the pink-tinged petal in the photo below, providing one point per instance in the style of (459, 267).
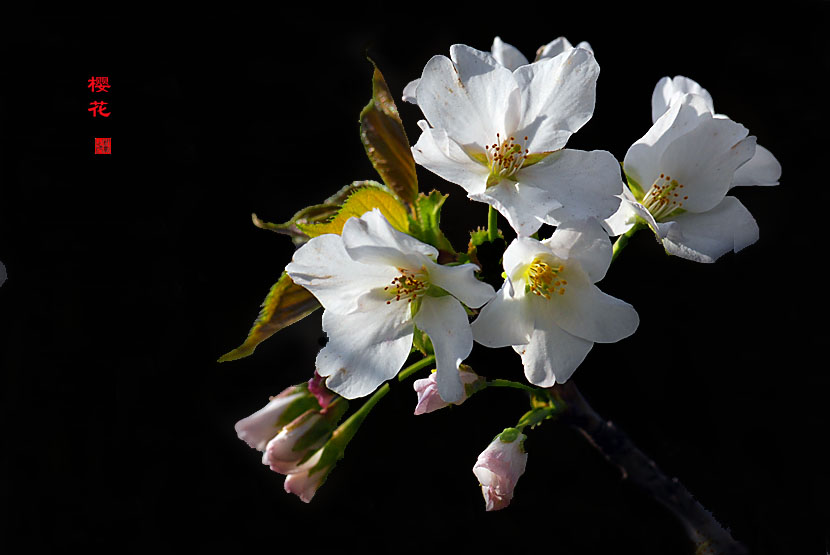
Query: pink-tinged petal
(552, 355)
(324, 267)
(365, 348)
(707, 236)
(583, 241)
(259, 428)
(371, 240)
(558, 96)
(461, 282)
(281, 453)
(763, 169)
(669, 90)
(507, 55)
(498, 469)
(304, 484)
(503, 321)
(444, 157)
(446, 323)
(430, 400)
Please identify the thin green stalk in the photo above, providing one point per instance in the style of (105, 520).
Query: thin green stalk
(492, 225)
(411, 369)
(623, 239)
(348, 429)
(514, 385)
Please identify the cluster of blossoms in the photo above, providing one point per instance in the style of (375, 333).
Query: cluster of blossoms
(497, 125)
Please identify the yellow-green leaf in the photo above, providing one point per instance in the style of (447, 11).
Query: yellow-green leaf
(285, 304)
(385, 141)
(359, 202)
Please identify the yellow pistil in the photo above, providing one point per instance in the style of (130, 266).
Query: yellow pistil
(543, 279)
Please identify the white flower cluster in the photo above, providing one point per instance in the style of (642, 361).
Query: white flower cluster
(497, 125)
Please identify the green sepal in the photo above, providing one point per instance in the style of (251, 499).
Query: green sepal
(322, 429)
(426, 223)
(509, 435)
(295, 409)
(422, 343)
(635, 187)
(383, 136)
(285, 304)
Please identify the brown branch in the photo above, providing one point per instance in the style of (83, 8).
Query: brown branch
(636, 466)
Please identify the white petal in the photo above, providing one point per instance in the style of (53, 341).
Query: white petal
(558, 96)
(444, 157)
(585, 311)
(553, 48)
(410, 92)
(460, 281)
(642, 161)
(762, 169)
(371, 240)
(585, 242)
(507, 55)
(524, 206)
(705, 159)
(470, 99)
(445, 321)
(520, 253)
(707, 236)
(324, 267)
(365, 349)
(585, 184)
(669, 90)
(624, 218)
(505, 320)
(552, 356)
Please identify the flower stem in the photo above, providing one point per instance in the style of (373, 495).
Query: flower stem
(617, 447)
(514, 385)
(492, 225)
(348, 429)
(623, 239)
(412, 368)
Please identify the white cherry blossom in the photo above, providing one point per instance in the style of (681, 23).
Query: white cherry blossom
(549, 309)
(376, 284)
(682, 170)
(500, 134)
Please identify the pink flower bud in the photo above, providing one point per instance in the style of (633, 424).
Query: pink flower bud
(305, 434)
(427, 389)
(499, 467)
(302, 482)
(259, 428)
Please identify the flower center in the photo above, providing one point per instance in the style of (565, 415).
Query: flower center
(506, 157)
(543, 279)
(664, 198)
(408, 286)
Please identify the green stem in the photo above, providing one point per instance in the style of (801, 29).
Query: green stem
(623, 239)
(514, 385)
(411, 369)
(492, 225)
(346, 431)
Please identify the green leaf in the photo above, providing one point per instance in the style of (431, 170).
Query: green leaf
(360, 201)
(285, 304)
(426, 225)
(314, 214)
(385, 141)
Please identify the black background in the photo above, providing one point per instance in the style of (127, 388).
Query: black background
(130, 274)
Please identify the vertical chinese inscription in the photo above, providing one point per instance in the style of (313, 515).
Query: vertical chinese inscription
(100, 84)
